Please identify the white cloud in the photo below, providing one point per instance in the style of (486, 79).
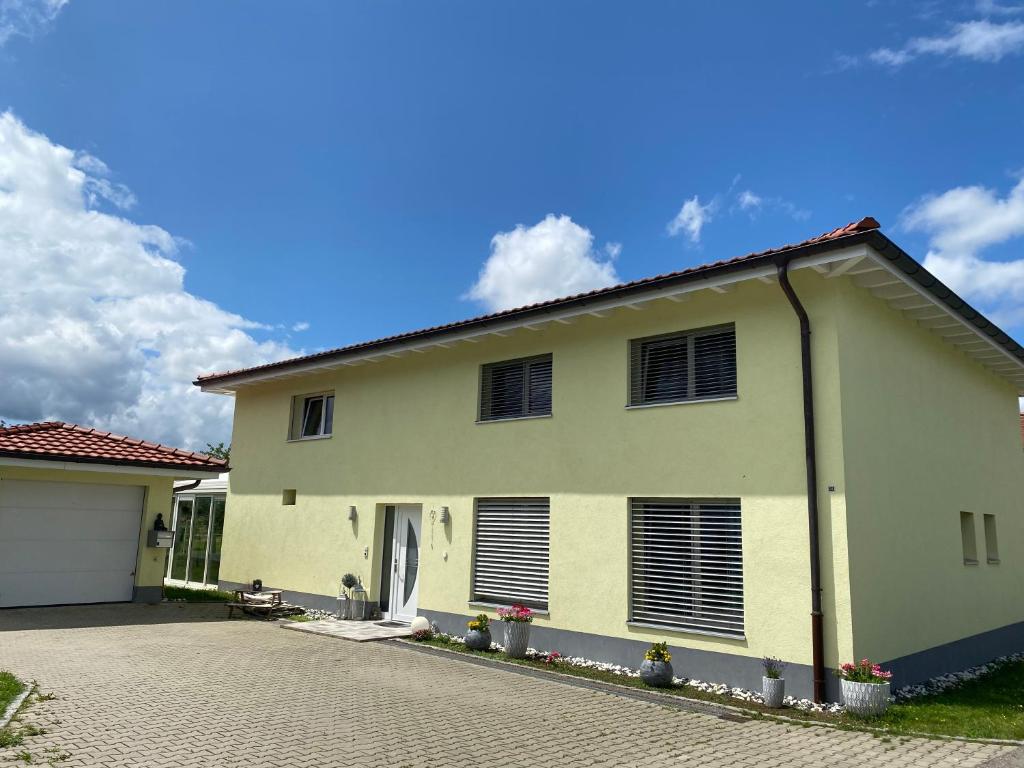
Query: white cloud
(961, 223)
(553, 258)
(301, 326)
(692, 218)
(749, 200)
(752, 203)
(980, 40)
(27, 18)
(96, 326)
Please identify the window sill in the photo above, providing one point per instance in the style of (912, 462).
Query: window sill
(683, 631)
(513, 418)
(993, 561)
(968, 561)
(682, 402)
(495, 606)
(308, 439)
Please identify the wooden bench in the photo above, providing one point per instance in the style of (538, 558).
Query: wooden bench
(253, 603)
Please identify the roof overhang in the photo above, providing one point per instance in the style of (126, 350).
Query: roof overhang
(101, 466)
(873, 261)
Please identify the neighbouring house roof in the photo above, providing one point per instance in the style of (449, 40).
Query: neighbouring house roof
(863, 232)
(218, 484)
(57, 441)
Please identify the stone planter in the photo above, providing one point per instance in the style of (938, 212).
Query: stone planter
(657, 674)
(865, 699)
(478, 639)
(517, 636)
(773, 691)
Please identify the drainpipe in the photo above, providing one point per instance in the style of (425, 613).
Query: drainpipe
(817, 644)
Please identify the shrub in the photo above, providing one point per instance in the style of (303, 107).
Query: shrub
(422, 634)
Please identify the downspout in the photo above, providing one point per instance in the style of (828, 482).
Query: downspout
(817, 642)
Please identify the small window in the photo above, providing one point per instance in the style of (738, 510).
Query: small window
(288, 497)
(967, 537)
(312, 416)
(510, 552)
(516, 389)
(991, 540)
(686, 565)
(680, 367)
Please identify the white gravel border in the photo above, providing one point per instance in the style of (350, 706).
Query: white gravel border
(906, 693)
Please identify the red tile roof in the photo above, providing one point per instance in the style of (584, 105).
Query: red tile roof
(866, 224)
(57, 441)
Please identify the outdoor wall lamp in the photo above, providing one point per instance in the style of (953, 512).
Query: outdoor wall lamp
(446, 516)
(352, 514)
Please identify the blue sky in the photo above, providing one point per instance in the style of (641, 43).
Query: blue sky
(347, 165)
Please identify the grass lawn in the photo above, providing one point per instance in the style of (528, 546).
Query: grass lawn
(991, 707)
(10, 688)
(197, 595)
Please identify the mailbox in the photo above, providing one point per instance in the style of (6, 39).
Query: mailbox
(160, 539)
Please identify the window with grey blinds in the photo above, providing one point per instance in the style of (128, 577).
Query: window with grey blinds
(510, 552)
(516, 388)
(687, 564)
(695, 365)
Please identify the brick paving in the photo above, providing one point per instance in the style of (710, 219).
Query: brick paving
(178, 685)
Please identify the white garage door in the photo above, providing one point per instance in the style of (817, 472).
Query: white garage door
(67, 542)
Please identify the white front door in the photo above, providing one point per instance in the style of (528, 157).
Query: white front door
(405, 583)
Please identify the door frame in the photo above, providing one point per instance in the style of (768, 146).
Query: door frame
(193, 497)
(402, 511)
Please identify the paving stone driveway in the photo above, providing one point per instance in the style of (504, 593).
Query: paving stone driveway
(177, 685)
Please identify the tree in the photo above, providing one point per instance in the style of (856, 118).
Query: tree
(218, 451)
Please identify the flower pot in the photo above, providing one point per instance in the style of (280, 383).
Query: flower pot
(773, 691)
(478, 639)
(517, 635)
(865, 699)
(657, 674)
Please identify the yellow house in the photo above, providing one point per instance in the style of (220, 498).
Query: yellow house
(811, 452)
(79, 509)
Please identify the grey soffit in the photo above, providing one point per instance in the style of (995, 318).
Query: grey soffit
(941, 292)
(885, 248)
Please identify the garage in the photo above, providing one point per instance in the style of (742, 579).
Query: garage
(68, 542)
(84, 513)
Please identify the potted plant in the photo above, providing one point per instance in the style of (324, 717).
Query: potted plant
(656, 669)
(865, 688)
(773, 685)
(344, 600)
(478, 638)
(517, 621)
